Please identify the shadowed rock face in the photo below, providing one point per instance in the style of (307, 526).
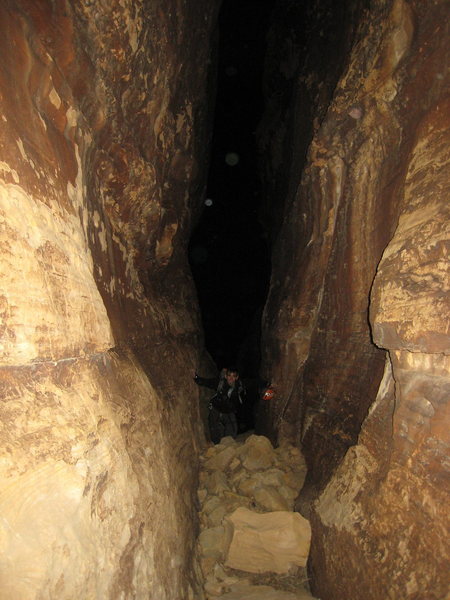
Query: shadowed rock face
(360, 287)
(102, 119)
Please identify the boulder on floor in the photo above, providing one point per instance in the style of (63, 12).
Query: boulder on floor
(262, 592)
(269, 542)
(257, 453)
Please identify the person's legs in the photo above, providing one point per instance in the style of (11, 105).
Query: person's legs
(230, 425)
(216, 428)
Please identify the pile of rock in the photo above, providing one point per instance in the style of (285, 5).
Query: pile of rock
(248, 527)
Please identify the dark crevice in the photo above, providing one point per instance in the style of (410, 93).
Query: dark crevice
(228, 251)
(266, 50)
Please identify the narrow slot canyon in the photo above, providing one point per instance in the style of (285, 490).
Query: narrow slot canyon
(191, 185)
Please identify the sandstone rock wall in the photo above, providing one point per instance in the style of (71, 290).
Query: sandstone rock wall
(102, 158)
(365, 291)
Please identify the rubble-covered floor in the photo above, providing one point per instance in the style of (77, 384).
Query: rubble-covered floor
(248, 477)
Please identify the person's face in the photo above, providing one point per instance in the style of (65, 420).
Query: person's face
(231, 377)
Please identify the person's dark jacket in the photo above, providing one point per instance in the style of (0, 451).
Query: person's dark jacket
(227, 399)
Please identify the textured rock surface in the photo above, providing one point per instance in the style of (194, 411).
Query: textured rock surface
(261, 592)
(273, 541)
(366, 224)
(102, 147)
(245, 548)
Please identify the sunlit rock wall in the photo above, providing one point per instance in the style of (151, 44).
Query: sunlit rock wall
(102, 161)
(356, 328)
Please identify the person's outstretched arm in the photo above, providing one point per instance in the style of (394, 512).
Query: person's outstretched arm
(211, 383)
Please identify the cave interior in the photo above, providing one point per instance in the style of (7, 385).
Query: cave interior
(191, 185)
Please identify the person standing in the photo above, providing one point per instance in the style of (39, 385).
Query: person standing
(223, 406)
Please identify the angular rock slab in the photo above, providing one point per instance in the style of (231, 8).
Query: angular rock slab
(269, 542)
(262, 592)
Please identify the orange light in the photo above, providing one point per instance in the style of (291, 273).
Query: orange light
(268, 394)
